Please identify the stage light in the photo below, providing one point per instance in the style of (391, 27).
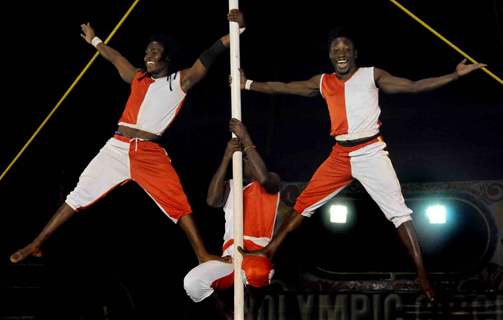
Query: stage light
(437, 214)
(338, 213)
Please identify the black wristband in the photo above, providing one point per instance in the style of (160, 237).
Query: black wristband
(208, 56)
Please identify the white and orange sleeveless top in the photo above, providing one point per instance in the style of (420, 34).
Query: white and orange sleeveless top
(259, 215)
(153, 103)
(353, 104)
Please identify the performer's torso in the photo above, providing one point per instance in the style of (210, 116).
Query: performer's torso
(259, 214)
(153, 104)
(352, 104)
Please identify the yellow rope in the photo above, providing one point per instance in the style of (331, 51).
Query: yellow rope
(445, 40)
(67, 92)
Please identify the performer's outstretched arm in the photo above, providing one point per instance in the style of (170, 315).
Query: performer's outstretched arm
(125, 68)
(307, 88)
(391, 84)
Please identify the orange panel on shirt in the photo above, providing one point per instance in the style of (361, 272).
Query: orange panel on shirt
(259, 209)
(333, 91)
(139, 88)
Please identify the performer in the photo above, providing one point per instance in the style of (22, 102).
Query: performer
(157, 94)
(351, 94)
(260, 205)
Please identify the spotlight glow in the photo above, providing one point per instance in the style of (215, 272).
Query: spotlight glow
(437, 214)
(338, 213)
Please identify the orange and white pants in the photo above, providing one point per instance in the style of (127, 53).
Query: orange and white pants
(368, 163)
(203, 279)
(122, 159)
(200, 282)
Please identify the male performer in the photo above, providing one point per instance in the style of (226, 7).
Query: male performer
(351, 94)
(260, 204)
(157, 94)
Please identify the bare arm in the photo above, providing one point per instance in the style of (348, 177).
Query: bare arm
(391, 84)
(270, 181)
(194, 74)
(125, 68)
(218, 191)
(307, 88)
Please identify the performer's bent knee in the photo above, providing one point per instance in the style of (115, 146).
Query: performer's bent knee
(196, 289)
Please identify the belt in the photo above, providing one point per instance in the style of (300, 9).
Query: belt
(355, 142)
(158, 139)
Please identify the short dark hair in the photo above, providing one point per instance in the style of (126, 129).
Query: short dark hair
(169, 45)
(339, 32)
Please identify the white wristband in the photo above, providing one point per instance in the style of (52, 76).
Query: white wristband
(96, 41)
(248, 84)
(241, 30)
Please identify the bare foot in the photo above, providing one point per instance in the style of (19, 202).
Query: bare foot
(30, 250)
(427, 289)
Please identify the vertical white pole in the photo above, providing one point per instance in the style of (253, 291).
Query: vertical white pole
(237, 168)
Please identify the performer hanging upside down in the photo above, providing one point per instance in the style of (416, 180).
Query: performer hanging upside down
(351, 94)
(157, 94)
(260, 204)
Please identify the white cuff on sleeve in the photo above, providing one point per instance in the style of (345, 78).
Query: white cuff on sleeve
(96, 41)
(248, 84)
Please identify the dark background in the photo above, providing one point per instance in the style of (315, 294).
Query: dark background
(451, 134)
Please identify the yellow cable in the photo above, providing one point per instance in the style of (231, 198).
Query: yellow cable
(445, 40)
(67, 92)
